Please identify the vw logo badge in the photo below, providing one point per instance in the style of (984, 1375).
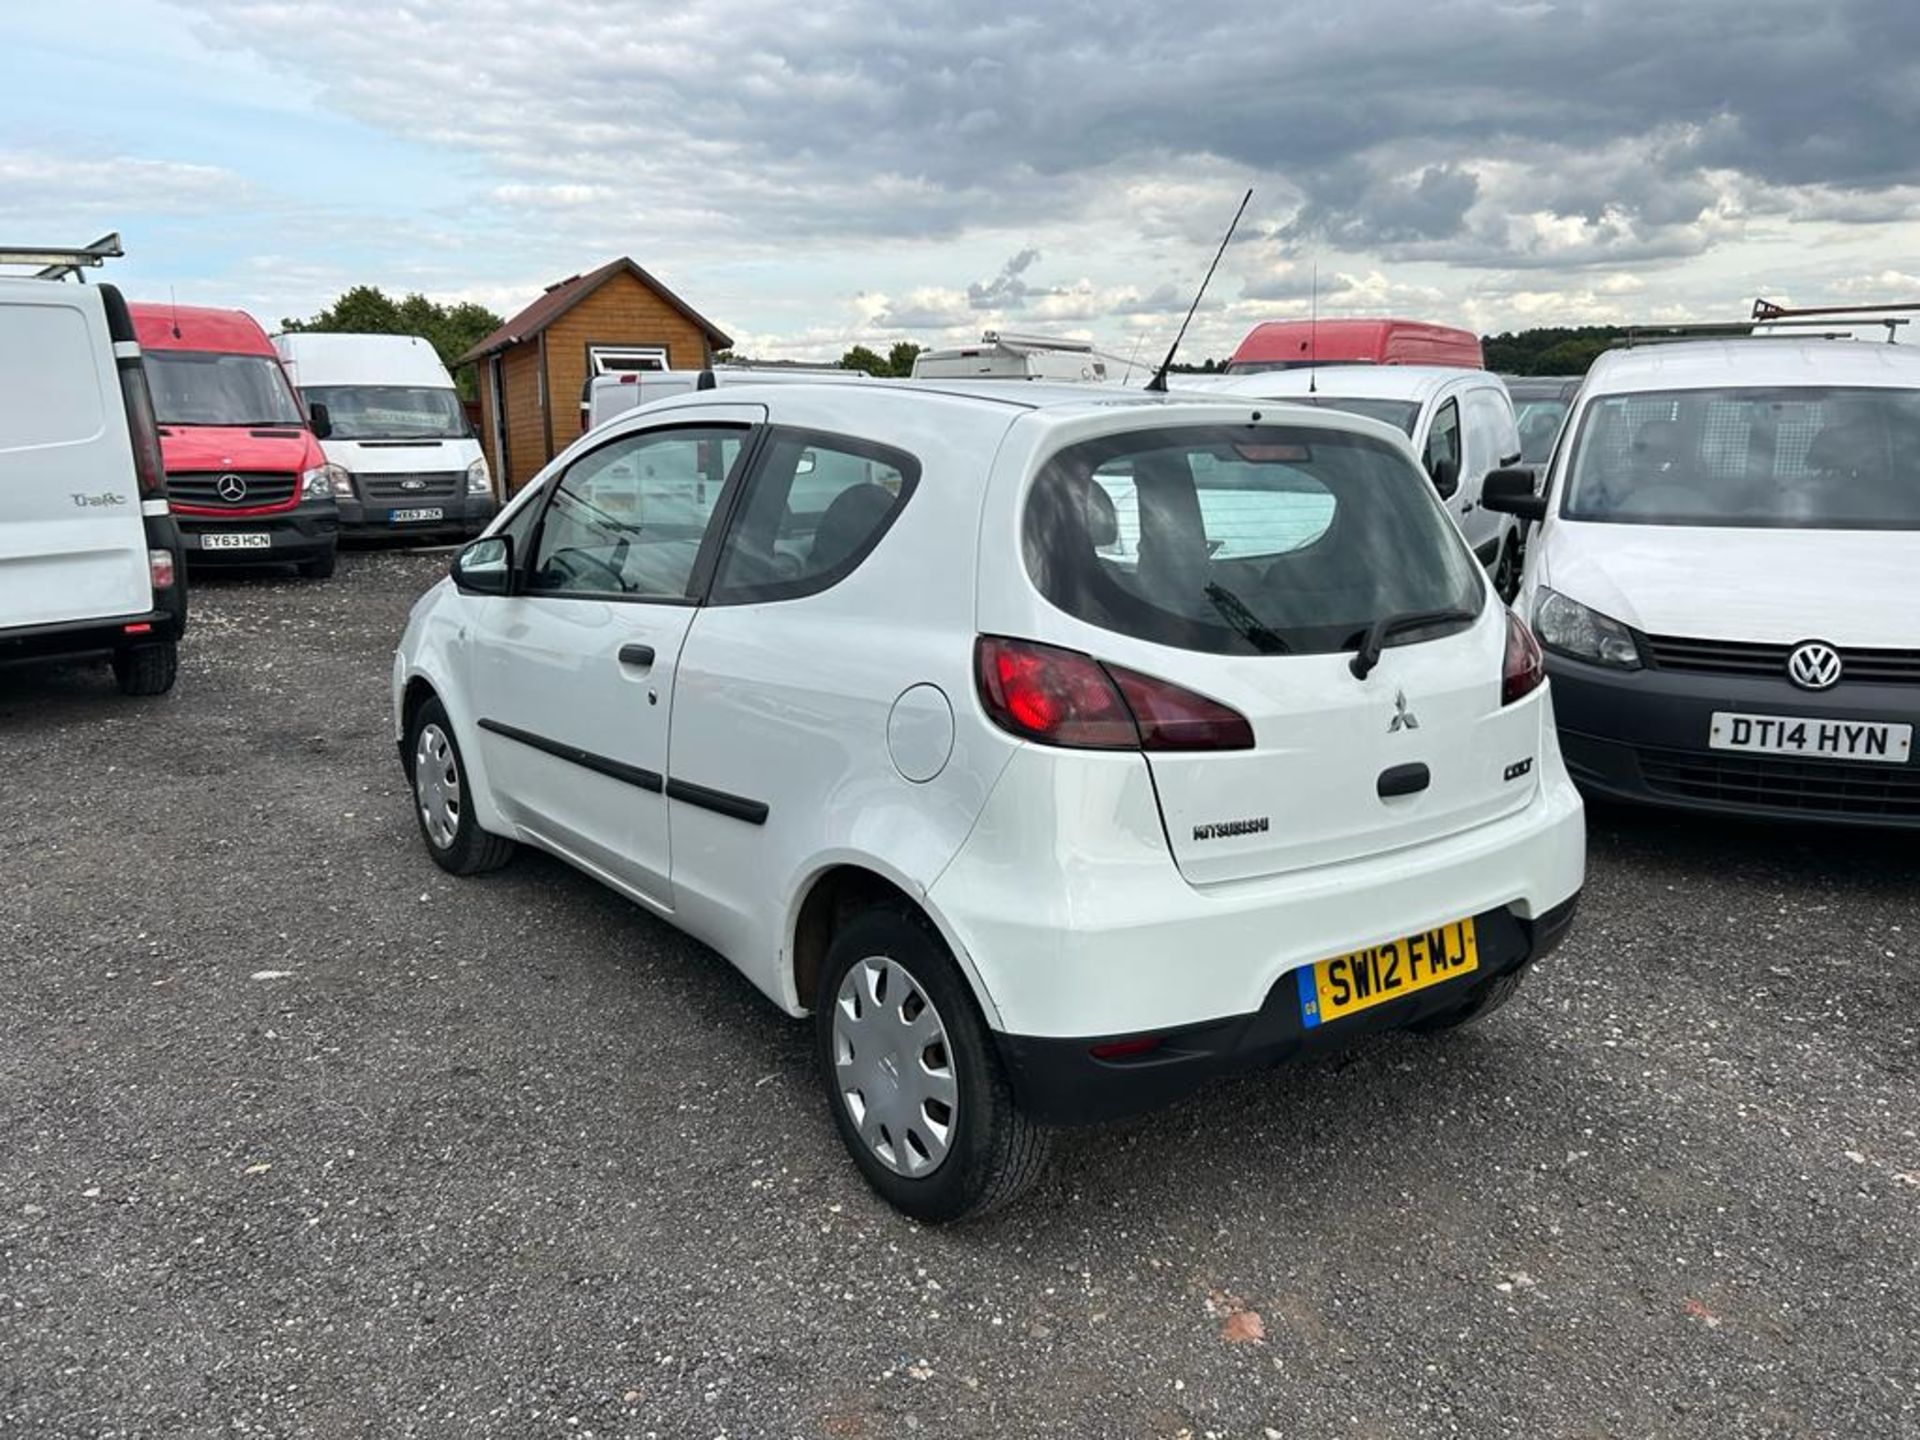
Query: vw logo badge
(230, 488)
(1814, 665)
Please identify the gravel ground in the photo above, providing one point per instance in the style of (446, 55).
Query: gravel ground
(303, 1137)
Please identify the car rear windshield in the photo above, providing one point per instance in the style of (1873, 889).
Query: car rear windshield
(192, 387)
(391, 412)
(1796, 457)
(1243, 541)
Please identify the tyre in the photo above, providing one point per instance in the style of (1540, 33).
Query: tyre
(440, 799)
(146, 669)
(320, 568)
(913, 1081)
(1482, 1003)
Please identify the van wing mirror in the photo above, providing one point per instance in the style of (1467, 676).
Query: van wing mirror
(319, 420)
(485, 567)
(1446, 477)
(1512, 492)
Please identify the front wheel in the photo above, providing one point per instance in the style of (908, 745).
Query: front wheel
(916, 1088)
(321, 567)
(441, 801)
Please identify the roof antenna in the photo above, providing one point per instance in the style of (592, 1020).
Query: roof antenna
(173, 299)
(1158, 384)
(1313, 331)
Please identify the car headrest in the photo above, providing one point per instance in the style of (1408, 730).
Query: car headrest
(1836, 450)
(1095, 509)
(854, 515)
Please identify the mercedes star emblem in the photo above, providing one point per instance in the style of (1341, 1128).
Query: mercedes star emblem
(230, 488)
(1814, 665)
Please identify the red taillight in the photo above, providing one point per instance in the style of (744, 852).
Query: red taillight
(1524, 669)
(1171, 718)
(1126, 1049)
(160, 568)
(1061, 697)
(149, 468)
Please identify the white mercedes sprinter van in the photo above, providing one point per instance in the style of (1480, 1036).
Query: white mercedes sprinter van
(391, 424)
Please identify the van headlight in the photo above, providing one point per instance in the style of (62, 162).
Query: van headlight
(479, 482)
(1574, 629)
(327, 482)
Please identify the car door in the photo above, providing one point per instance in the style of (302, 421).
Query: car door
(572, 675)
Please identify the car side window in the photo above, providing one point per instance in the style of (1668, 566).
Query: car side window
(627, 519)
(1443, 440)
(814, 507)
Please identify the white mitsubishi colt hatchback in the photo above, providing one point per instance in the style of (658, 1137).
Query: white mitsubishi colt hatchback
(1056, 750)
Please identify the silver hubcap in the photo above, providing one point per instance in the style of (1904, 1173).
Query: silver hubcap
(892, 1067)
(436, 784)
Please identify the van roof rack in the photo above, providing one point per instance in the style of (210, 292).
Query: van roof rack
(58, 262)
(1810, 328)
(1782, 316)
(1035, 342)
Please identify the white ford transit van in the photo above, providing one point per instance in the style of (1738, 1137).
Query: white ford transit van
(390, 422)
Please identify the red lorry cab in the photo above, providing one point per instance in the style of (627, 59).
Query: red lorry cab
(247, 478)
(1291, 344)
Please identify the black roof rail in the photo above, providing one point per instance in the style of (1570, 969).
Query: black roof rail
(57, 262)
(1768, 310)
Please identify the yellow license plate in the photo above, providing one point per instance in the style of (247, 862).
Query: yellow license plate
(1331, 989)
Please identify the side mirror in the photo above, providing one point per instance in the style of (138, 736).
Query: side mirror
(485, 567)
(1511, 492)
(319, 420)
(1446, 477)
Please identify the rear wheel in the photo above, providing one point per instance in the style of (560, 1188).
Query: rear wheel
(912, 1078)
(1482, 1003)
(320, 568)
(146, 669)
(440, 799)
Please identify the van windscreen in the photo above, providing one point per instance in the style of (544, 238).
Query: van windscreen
(391, 412)
(196, 387)
(1243, 541)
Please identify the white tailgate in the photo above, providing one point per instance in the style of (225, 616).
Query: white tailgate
(1309, 792)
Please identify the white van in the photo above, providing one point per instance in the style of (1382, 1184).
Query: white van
(618, 391)
(1015, 357)
(90, 557)
(1460, 421)
(391, 423)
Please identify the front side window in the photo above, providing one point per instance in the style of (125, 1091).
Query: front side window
(1442, 454)
(193, 387)
(816, 505)
(391, 412)
(1281, 540)
(626, 521)
(1539, 422)
(1800, 457)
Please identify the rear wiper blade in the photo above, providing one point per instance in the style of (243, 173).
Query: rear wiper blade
(1251, 627)
(1387, 626)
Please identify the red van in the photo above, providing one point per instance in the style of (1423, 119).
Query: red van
(1292, 344)
(248, 481)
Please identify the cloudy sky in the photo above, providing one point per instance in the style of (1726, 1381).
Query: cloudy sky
(838, 171)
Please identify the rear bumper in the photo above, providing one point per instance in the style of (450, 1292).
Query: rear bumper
(306, 532)
(1641, 736)
(1061, 1082)
(1066, 908)
(463, 517)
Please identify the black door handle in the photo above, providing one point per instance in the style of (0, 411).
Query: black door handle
(1404, 780)
(641, 655)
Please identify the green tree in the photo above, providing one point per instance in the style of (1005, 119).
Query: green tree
(861, 358)
(900, 357)
(452, 330)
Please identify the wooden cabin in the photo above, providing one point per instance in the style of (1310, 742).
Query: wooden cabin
(534, 369)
